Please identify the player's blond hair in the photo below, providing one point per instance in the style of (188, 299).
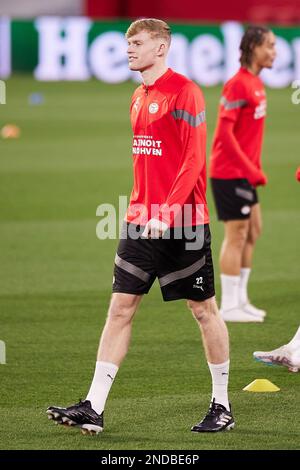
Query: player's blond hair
(156, 28)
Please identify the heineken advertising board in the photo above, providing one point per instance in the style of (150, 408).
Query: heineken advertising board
(77, 48)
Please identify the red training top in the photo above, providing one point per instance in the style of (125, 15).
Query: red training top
(169, 161)
(236, 151)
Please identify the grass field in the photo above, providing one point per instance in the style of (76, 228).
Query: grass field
(74, 154)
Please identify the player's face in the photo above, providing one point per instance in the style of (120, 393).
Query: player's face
(264, 55)
(143, 51)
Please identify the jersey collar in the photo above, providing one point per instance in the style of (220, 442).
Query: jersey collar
(160, 80)
(247, 72)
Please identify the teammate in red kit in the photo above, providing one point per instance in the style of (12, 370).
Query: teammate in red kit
(166, 233)
(236, 171)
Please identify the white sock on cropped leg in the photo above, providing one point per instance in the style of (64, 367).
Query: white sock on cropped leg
(220, 375)
(104, 376)
(296, 339)
(230, 291)
(243, 286)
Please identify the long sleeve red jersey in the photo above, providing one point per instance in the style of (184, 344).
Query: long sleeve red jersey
(236, 151)
(169, 153)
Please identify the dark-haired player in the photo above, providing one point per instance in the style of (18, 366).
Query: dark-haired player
(236, 171)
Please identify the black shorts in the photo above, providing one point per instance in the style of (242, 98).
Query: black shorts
(182, 273)
(233, 198)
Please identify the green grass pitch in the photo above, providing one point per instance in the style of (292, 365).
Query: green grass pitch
(74, 154)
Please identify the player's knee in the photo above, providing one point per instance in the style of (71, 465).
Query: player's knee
(254, 232)
(239, 237)
(202, 311)
(121, 314)
(122, 309)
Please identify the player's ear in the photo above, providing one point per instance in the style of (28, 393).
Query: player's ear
(161, 50)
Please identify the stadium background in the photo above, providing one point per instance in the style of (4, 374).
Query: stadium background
(72, 154)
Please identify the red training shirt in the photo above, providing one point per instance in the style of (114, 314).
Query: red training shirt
(169, 147)
(237, 143)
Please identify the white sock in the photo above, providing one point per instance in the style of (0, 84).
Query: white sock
(104, 375)
(219, 375)
(294, 347)
(296, 338)
(230, 291)
(243, 292)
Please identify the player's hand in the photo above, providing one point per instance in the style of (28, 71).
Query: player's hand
(260, 179)
(155, 229)
(298, 174)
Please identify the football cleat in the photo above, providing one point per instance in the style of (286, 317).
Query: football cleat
(239, 315)
(257, 312)
(283, 356)
(81, 415)
(217, 419)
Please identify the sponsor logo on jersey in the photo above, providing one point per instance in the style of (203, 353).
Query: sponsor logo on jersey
(146, 145)
(260, 93)
(260, 110)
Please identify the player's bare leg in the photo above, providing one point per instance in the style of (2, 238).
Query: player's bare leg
(254, 232)
(116, 334)
(216, 345)
(114, 343)
(213, 329)
(235, 237)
